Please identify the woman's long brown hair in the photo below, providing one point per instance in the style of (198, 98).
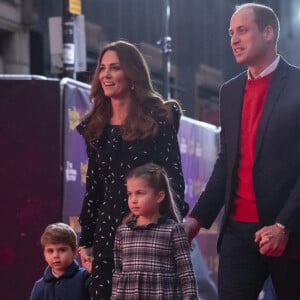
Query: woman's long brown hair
(147, 105)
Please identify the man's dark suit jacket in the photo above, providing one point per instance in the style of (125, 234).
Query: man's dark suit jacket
(276, 166)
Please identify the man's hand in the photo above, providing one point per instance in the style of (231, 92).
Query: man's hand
(272, 240)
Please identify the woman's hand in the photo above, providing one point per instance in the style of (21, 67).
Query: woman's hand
(86, 257)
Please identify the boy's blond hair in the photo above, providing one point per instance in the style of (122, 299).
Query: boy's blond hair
(59, 233)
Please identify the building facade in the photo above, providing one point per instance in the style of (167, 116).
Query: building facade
(199, 33)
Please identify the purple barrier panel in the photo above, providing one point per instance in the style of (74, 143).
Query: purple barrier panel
(76, 105)
(199, 147)
(31, 179)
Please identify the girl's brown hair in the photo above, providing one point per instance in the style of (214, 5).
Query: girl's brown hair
(157, 179)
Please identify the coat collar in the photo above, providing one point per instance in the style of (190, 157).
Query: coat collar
(70, 271)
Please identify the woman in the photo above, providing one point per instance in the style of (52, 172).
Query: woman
(129, 125)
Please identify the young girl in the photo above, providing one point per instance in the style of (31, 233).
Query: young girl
(151, 251)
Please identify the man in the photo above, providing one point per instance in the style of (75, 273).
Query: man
(256, 176)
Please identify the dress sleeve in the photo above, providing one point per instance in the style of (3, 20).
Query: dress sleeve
(170, 158)
(182, 259)
(117, 262)
(91, 202)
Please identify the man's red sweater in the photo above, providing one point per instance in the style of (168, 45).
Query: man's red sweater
(244, 205)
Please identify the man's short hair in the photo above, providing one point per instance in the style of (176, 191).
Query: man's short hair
(264, 15)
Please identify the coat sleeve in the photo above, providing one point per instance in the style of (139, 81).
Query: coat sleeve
(212, 199)
(37, 291)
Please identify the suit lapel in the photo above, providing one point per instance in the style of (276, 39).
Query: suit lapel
(276, 86)
(236, 113)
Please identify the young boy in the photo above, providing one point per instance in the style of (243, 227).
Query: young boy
(63, 278)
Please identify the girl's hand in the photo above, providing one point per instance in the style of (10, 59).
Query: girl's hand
(191, 227)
